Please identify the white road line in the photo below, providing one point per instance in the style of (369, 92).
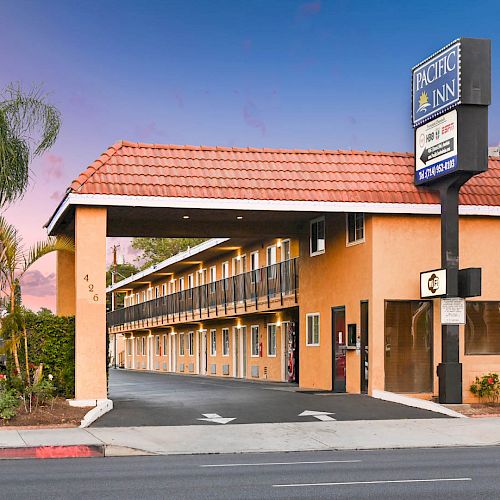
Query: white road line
(284, 463)
(388, 481)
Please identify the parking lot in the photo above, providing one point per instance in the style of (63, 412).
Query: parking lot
(143, 399)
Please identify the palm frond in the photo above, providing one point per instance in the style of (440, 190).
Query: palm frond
(10, 250)
(41, 248)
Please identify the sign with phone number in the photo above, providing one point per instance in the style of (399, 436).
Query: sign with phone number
(438, 169)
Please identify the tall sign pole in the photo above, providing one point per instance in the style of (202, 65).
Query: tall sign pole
(451, 92)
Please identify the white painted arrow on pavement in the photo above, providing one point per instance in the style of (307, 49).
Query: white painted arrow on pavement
(320, 415)
(215, 418)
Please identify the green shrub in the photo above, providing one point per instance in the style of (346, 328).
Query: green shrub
(9, 403)
(51, 341)
(487, 387)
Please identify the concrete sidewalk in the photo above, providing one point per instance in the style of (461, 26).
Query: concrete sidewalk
(306, 436)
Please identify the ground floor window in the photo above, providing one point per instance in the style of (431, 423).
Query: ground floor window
(181, 344)
(157, 345)
(255, 341)
(143, 346)
(129, 347)
(271, 340)
(191, 343)
(164, 345)
(137, 346)
(213, 342)
(408, 346)
(225, 342)
(312, 329)
(482, 329)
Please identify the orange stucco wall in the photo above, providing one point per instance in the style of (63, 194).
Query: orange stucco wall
(65, 284)
(339, 277)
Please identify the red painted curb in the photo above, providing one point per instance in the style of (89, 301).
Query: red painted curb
(75, 451)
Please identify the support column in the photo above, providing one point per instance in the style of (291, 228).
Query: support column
(65, 284)
(90, 277)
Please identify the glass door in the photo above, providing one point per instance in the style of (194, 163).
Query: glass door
(339, 347)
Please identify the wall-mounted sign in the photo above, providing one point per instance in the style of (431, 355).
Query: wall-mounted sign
(453, 311)
(436, 148)
(436, 84)
(433, 283)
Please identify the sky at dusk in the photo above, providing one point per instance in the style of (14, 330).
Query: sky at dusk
(274, 73)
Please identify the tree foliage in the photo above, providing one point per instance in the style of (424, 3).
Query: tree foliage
(123, 271)
(154, 250)
(29, 126)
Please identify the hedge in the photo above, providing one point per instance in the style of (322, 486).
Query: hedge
(51, 341)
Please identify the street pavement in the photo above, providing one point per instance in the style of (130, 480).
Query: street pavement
(456, 473)
(156, 399)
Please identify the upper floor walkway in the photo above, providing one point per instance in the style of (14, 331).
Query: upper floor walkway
(265, 289)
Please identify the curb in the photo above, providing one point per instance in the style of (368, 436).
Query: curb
(102, 407)
(72, 451)
(416, 403)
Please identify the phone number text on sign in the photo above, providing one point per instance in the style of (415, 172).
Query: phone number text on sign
(438, 169)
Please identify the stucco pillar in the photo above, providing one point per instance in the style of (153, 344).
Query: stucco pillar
(65, 283)
(90, 277)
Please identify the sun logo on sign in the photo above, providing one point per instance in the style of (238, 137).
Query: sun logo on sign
(423, 102)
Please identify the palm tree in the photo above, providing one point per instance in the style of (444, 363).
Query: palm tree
(14, 262)
(29, 125)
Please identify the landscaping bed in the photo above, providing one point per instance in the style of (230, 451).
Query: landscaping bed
(482, 410)
(53, 414)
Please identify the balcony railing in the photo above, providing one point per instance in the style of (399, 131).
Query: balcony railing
(237, 293)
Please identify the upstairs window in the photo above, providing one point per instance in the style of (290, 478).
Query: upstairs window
(317, 239)
(355, 228)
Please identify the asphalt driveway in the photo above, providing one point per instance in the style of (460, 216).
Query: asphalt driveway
(142, 398)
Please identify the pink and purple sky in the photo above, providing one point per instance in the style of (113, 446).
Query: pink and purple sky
(263, 73)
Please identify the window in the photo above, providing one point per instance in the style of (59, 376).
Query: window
(137, 298)
(143, 346)
(355, 228)
(190, 285)
(164, 345)
(129, 347)
(317, 242)
(213, 342)
(150, 293)
(191, 343)
(213, 278)
(171, 286)
(482, 330)
(225, 270)
(157, 292)
(181, 284)
(201, 277)
(312, 329)
(255, 341)
(164, 289)
(254, 266)
(144, 296)
(408, 337)
(285, 250)
(181, 344)
(271, 261)
(271, 340)
(157, 345)
(225, 341)
(137, 346)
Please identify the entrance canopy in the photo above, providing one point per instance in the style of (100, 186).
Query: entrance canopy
(165, 190)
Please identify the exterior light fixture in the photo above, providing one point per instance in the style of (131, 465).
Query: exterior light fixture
(185, 216)
(239, 217)
(238, 326)
(278, 244)
(238, 257)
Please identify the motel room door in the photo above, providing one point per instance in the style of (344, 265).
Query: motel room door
(339, 347)
(203, 356)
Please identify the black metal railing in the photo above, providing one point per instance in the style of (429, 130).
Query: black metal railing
(237, 293)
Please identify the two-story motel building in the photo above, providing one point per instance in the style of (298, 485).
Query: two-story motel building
(311, 272)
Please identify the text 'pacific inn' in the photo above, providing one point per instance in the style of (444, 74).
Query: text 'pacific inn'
(310, 272)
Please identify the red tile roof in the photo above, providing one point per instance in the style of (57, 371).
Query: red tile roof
(136, 169)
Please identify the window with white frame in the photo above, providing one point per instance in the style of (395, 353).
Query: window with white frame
(285, 250)
(255, 341)
(191, 343)
(213, 278)
(137, 298)
(171, 286)
(181, 344)
(225, 341)
(225, 270)
(271, 340)
(157, 345)
(312, 327)
(129, 347)
(164, 345)
(254, 266)
(157, 292)
(181, 284)
(164, 289)
(150, 293)
(144, 296)
(143, 346)
(201, 277)
(137, 346)
(190, 285)
(213, 342)
(355, 223)
(317, 238)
